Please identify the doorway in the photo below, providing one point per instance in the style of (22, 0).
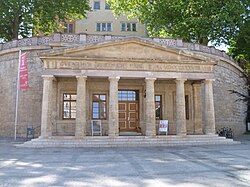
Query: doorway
(128, 110)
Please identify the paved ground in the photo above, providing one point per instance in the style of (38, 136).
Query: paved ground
(224, 165)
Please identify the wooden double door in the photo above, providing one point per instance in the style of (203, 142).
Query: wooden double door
(128, 110)
(128, 116)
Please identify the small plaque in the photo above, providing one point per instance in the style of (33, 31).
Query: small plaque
(163, 126)
(96, 127)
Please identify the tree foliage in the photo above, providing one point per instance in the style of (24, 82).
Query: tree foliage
(193, 20)
(20, 17)
(240, 48)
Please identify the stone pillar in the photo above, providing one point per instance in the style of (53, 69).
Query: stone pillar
(197, 108)
(150, 107)
(181, 128)
(113, 107)
(46, 120)
(81, 121)
(209, 107)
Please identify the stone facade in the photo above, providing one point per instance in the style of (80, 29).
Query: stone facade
(179, 75)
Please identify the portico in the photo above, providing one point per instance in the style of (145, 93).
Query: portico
(87, 81)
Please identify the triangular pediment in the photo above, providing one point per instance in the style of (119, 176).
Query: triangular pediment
(131, 49)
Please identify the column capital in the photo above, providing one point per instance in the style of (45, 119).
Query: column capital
(180, 80)
(47, 77)
(114, 78)
(147, 79)
(79, 77)
(208, 80)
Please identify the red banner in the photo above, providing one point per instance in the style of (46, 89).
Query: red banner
(23, 75)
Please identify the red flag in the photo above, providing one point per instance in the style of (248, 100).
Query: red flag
(23, 75)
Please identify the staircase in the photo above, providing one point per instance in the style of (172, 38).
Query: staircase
(127, 141)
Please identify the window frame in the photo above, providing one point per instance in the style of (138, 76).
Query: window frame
(128, 27)
(70, 110)
(66, 28)
(160, 117)
(97, 5)
(99, 108)
(107, 6)
(103, 27)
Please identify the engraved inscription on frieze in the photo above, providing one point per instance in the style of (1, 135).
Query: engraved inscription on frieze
(137, 66)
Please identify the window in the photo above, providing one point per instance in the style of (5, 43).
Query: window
(128, 95)
(97, 5)
(102, 27)
(128, 27)
(68, 28)
(107, 6)
(158, 107)
(99, 106)
(69, 106)
(98, 27)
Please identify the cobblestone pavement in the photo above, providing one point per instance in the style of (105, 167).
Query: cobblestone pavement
(220, 165)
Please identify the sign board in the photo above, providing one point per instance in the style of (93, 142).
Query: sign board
(163, 126)
(96, 127)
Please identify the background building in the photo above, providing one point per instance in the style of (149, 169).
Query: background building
(102, 21)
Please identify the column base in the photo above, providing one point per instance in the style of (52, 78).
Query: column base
(181, 134)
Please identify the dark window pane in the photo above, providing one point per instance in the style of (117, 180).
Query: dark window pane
(107, 7)
(123, 27)
(109, 27)
(158, 113)
(128, 27)
(98, 27)
(97, 5)
(65, 28)
(134, 27)
(187, 106)
(103, 26)
(70, 28)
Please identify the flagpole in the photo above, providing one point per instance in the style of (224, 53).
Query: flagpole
(17, 93)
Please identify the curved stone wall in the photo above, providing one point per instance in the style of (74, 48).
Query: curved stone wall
(229, 111)
(228, 76)
(30, 100)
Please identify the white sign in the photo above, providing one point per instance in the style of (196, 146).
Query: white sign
(163, 126)
(96, 127)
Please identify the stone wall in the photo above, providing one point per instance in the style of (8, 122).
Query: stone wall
(228, 111)
(30, 100)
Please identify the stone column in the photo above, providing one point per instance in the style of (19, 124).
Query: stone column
(209, 107)
(46, 120)
(150, 107)
(197, 108)
(113, 107)
(81, 121)
(180, 107)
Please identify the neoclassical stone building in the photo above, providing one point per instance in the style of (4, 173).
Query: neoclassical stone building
(129, 83)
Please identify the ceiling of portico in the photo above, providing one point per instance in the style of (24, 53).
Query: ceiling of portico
(127, 49)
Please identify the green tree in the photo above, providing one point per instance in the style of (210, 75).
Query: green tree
(192, 20)
(26, 17)
(240, 48)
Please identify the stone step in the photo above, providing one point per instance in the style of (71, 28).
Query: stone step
(128, 141)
